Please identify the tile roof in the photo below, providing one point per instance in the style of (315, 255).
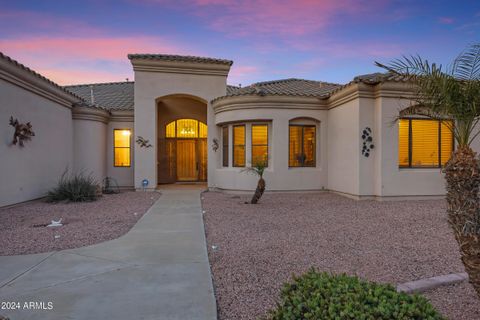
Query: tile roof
(110, 95)
(372, 79)
(378, 77)
(232, 89)
(36, 74)
(173, 57)
(287, 87)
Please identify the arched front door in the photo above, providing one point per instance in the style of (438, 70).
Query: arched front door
(183, 153)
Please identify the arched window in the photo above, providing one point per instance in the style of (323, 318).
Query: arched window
(186, 128)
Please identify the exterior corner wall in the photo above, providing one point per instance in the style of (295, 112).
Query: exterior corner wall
(344, 148)
(90, 148)
(366, 169)
(29, 172)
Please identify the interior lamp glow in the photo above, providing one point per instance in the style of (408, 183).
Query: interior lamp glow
(126, 132)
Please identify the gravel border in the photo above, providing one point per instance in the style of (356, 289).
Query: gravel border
(23, 231)
(258, 247)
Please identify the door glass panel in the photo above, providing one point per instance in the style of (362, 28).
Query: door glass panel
(202, 129)
(170, 130)
(187, 128)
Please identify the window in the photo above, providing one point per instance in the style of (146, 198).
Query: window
(225, 146)
(259, 144)
(424, 143)
(239, 146)
(186, 128)
(302, 146)
(121, 147)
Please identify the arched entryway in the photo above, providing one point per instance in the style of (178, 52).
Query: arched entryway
(182, 140)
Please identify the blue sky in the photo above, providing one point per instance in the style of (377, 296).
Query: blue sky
(330, 40)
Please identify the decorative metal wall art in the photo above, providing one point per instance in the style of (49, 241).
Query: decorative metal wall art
(23, 132)
(367, 142)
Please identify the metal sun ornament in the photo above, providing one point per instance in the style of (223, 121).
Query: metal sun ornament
(367, 142)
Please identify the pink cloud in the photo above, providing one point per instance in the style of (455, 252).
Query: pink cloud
(79, 60)
(66, 77)
(242, 18)
(108, 48)
(240, 74)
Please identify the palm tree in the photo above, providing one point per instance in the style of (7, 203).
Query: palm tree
(453, 93)
(258, 168)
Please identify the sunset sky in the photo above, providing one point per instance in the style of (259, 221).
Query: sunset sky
(74, 42)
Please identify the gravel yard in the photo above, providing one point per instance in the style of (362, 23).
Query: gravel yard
(259, 246)
(22, 227)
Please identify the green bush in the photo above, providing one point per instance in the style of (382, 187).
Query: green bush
(75, 187)
(323, 296)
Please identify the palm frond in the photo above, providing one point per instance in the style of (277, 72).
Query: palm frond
(452, 93)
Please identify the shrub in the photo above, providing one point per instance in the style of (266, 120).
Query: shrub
(323, 296)
(75, 187)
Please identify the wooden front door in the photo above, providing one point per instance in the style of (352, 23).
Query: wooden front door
(187, 168)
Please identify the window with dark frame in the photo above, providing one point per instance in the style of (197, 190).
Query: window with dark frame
(225, 146)
(424, 143)
(121, 147)
(302, 146)
(260, 144)
(239, 146)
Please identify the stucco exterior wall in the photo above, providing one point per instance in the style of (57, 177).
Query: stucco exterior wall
(29, 172)
(394, 181)
(152, 85)
(344, 148)
(278, 175)
(123, 175)
(90, 148)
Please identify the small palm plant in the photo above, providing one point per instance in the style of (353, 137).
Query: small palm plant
(453, 93)
(258, 168)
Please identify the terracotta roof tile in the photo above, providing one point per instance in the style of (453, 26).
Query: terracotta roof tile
(172, 57)
(287, 87)
(110, 95)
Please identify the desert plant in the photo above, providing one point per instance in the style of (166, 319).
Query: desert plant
(74, 187)
(453, 93)
(258, 168)
(324, 296)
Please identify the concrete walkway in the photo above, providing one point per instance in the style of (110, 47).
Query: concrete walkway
(158, 270)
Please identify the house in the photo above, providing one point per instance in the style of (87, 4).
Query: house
(179, 121)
